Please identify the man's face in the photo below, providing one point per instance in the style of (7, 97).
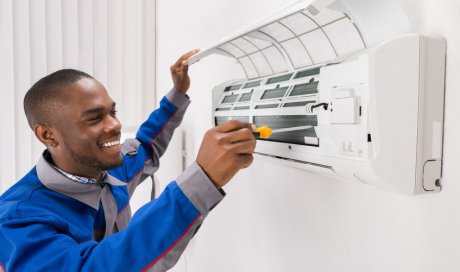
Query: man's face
(88, 131)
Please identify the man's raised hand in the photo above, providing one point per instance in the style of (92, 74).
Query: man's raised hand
(179, 72)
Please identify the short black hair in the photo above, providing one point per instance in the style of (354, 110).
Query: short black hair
(45, 97)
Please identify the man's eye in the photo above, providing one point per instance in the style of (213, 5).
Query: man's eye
(113, 112)
(94, 118)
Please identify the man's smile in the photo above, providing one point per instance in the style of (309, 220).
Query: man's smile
(113, 146)
(110, 144)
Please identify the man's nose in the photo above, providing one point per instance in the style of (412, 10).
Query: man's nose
(112, 124)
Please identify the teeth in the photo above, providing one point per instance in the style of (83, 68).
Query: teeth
(111, 144)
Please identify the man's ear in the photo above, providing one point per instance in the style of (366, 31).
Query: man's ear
(45, 135)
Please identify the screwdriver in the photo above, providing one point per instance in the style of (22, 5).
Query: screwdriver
(264, 132)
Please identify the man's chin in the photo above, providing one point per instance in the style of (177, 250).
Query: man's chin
(113, 164)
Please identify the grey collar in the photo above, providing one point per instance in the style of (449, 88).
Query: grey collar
(85, 193)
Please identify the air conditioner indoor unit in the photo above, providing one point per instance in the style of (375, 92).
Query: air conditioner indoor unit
(347, 91)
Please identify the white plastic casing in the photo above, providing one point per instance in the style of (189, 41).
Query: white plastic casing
(384, 122)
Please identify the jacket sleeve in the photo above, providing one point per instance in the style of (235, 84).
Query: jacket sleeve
(141, 155)
(153, 241)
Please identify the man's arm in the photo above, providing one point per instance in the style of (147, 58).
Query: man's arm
(141, 155)
(158, 232)
(154, 240)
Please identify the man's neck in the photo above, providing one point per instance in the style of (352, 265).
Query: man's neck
(49, 158)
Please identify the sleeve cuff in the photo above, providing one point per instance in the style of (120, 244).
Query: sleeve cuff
(179, 100)
(196, 185)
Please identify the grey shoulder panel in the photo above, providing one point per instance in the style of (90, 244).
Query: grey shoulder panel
(130, 147)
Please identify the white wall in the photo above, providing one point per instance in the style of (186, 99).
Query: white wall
(282, 219)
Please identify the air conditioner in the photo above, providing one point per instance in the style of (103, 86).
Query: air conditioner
(346, 93)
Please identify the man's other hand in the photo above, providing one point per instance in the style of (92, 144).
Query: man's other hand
(179, 72)
(225, 150)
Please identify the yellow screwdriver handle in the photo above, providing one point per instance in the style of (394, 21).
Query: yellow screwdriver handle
(264, 131)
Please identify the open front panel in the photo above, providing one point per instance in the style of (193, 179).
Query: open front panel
(309, 32)
(295, 41)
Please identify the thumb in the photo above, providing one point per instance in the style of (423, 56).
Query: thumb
(185, 66)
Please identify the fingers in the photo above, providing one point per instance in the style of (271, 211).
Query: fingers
(242, 148)
(179, 72)
(178, 68)
(183, 59)
(185, 67)
(245, 161)
(232, 125)
(225, 150)
(239, 135)
(186, 56)
(181, 65)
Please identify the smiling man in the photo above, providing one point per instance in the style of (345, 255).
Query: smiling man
(71, 211)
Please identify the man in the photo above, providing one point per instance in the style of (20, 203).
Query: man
(71, 211)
